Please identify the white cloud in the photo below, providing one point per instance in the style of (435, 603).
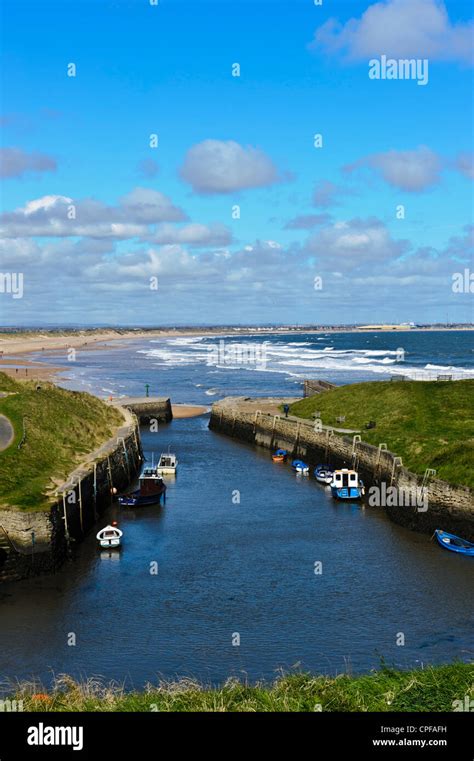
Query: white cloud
(328, 194)
(307, 221)
(14, 162)
(399, 29)
(148, 168)
(464, 163)
(51, 216)
(193, 234)
(46, 202)
(84, 277)
(218, 166)
(407, 170)
(354, 244)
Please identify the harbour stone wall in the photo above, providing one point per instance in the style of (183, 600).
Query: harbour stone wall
(37, 542)
(447, 506)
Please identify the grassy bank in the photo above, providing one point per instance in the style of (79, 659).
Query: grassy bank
(428, 424)
(430, 689)
(61, 428)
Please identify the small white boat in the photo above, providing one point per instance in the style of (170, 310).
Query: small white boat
(168, 463)
(109, 537)
(323, 474)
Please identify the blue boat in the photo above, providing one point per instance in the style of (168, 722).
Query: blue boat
(323, 474)
(280, 455)
(152, 488)
(454, 543)
(300, 467)
(346, 484)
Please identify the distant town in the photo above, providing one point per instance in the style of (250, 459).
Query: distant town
(34, 330)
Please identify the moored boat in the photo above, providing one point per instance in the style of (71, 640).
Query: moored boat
(168, 463)
(323, 474)
(454, 543)
(300, 467)
(110, 537)
(151, 488)
(346, 484)
(280, 455)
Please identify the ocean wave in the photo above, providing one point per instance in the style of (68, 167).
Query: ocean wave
(296, 359)
(368, 361)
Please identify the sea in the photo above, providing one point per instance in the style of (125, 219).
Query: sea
(201, 369)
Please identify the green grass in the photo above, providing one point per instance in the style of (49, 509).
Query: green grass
(429, 689)
(61, 428)
(428, 424)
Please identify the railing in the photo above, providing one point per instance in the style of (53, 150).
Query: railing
(10, 540)
(424, 376)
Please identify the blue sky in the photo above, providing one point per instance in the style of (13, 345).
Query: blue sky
(141, 213)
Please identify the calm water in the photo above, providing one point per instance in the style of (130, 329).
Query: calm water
(245, 568)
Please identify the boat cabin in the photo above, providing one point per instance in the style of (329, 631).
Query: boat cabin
(150, 481)
(345, 478)
(168, 461)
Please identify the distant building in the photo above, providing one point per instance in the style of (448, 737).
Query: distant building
(403, 326)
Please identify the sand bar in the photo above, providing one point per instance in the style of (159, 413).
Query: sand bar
(188, 410)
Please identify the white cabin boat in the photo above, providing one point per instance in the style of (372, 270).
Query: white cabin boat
(109, 537)
(168, 463)
(346, 484)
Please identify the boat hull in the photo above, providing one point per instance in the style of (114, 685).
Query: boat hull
(454, 543)
(109, 538)
(300, 467)
(110, 544)
(139, 500)
(278, 458)
(345, 492)
(323, 474)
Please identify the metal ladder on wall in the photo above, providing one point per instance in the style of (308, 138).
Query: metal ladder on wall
(8, 555)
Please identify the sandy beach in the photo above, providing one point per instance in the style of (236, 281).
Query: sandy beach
(24, 343)
(25, 369)
(188, 410)
(38, 341)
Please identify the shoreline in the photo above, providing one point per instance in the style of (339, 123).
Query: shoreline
(50, 344)
(30, 370)
(10, 344)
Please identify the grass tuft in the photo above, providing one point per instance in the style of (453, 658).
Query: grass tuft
(435, 688)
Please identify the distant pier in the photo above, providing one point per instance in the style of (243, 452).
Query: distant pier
(147, 408)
